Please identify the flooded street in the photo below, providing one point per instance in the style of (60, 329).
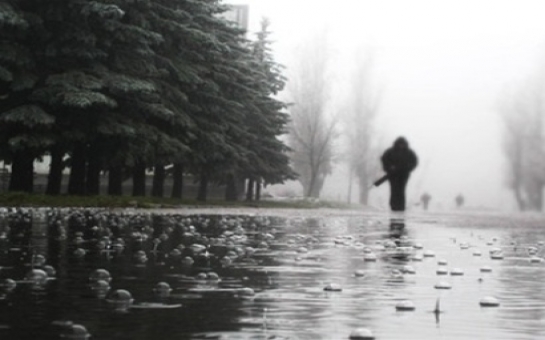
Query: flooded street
(271, 275)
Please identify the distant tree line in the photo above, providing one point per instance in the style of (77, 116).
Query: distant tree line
(523, 113)
(124, 87)
(329, 125)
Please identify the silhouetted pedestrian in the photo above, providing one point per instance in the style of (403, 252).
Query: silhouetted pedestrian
(425, 200)
(398, 161)
(459, 200)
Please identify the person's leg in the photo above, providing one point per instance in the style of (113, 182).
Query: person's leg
(392, 192)
(396, 194)
(402, 185)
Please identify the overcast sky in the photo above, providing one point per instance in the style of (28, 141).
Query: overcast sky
(442, 66)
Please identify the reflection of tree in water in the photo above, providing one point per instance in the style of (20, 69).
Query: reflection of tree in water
(69, 296)
(521, 283)
(298, 302)
(333, 258)
(288, 279)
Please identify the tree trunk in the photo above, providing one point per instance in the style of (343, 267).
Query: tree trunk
(535, 195)
(22, 173)
(231, 189)
(539, 203)
(258, 189)
(54, 178)
(516, 164)
(349, 194)
(93, 171)
(311, 189)
(158, 180)
(139, 180)
(177, 180)
(76, 181)
(250, 190)
(364, 192)
(315, 186)
(241, 187)
(203, 186)
(518, 197)
(115, 181)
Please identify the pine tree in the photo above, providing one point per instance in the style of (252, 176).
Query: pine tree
(24, 124)
(124, 86)
(271, 120)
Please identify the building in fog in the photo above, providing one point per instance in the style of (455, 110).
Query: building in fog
(238, 14)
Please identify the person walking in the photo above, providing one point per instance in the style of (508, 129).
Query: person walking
(398, 162)
(459, 200)
(425, 200)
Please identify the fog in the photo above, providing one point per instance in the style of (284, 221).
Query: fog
(441, 67)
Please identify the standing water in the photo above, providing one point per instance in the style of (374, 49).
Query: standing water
(81, 274)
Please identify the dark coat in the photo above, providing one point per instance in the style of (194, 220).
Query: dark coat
(399, 159)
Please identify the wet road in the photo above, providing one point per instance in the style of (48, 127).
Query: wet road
(273, 272)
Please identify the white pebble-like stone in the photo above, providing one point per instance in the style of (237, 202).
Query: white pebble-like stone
(418, 246)
(456, 272)
(405, 305)
(496, 256)
(477, 252)
(389, 244)
(333, 287)
(370, 257)
(486, 269)
(441, 271)
(535, 259)
(442, 262)
(246, 292)
(36, 276)
(361, 334)
(442, 285)
(396, 274)
(489, 301)
(417, 258)
(408, 269)
(359, 273)
(429, 253)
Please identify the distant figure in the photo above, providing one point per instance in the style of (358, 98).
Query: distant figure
(425, 200)
(398, 161)
(459, 200)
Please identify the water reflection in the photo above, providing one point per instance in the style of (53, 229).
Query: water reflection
(254, 277)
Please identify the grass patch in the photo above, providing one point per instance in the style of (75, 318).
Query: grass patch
(19, 199)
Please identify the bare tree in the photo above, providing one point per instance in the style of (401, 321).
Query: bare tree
(312, 130)
(523, 113)
(359, 116)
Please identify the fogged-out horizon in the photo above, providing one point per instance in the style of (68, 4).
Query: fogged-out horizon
(442, 69)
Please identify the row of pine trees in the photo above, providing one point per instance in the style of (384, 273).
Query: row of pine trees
(125, 87)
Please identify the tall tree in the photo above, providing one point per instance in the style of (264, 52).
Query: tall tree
(267, 120)
(359, 117)
(311, 131)
(124, 87)
(24, 124)
(221, 136)
(523, 114)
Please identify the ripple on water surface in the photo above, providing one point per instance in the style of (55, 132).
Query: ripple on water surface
(269, 275)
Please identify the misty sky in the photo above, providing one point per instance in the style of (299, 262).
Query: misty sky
(441, 66)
